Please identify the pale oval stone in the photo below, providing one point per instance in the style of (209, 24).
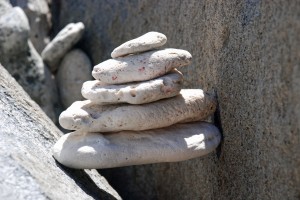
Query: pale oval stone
(141, 67)
(74, 70)
(143, 43)
(190, 105)
(61, 44)
(172, 144)
(163, 87)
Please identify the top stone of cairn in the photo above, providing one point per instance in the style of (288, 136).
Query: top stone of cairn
(143, 43)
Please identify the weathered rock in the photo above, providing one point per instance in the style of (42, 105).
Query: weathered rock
(141, 67)
(148, 41)
(20, 58)
(27, 168)
(4, 6)
(39, 17)
(163, 87)
(61, 44)
(172, 144)
(14, 32)
(191, 105)
(75, 68)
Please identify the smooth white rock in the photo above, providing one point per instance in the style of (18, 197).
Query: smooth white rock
(190, 105)
(163, 87)
(141, 67)
(172, 144)
(61, 44)
(75, 68)
(143, 43)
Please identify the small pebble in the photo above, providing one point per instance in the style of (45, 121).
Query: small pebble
(143, 43)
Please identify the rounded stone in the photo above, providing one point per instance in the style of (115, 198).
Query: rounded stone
(163, 87)
(190, 105)
(143, 43)
(74, 70)
(61, 44)
(172, 144)
(141, 67)
(14, 32)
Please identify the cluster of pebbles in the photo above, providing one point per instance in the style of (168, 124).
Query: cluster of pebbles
(136, 112)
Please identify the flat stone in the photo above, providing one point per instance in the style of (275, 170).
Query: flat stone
(61, 44)
(143, 43)
(75, 68)
(141, 67)
(163, 87)
(190, 105)
(172, 144)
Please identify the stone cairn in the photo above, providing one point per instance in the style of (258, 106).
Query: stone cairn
(136, 112)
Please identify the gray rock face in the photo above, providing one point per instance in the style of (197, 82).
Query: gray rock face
(39, 16)
(4, 6)
(171, 144)
(74, 69)
(27, 168)
(61, 44)
(134, 93)
(141, 67)
(24, 63)
(247, 52)
(191, 105)
(143, 43)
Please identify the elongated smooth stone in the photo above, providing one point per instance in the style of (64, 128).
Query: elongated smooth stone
(61, 44)
(141, 67)
(172, 144)
(190, 105)
(163, 87)
(143, 43)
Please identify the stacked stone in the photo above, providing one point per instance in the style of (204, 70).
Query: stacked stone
(136, 112)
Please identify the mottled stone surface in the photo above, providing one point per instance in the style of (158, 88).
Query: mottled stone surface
(247, 52)
(27, 168)
(21, 59)
(39, 17)
(75, 68)
(141, 67)
(190, 105)
(176, 143)
(61, 44)
(143, 43)
(163, 87)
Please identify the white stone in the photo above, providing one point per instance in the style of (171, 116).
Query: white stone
(143, 43)
(141, 67)
(75, 68)
(163, 87)
(172, 144)
(190, 105)
(61, 44)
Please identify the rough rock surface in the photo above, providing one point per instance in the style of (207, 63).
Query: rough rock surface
(141, 67)
(171, 144)
(247, 52)
(39, 17)
(27, 168)
(190, 105)
(61, 44)
(20, 58)
(14, 32)
(143, 43)
(75, 68)
(4, 6)
(163, 87)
